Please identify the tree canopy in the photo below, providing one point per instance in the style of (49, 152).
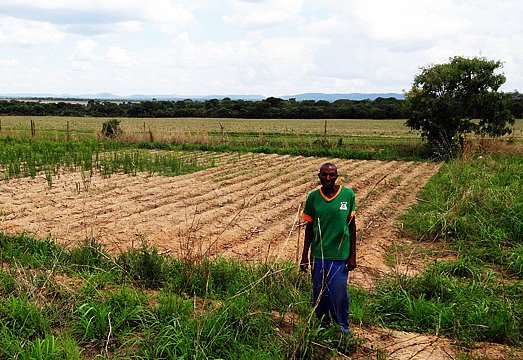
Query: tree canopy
(270, 108)
(447, 101)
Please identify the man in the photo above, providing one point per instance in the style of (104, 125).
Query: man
(330, 234)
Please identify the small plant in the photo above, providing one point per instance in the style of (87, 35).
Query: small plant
(144, 265)
(515, 261)
(94, 322)
(23, 317)
(90, 255)
(111, 129)
(44, 349)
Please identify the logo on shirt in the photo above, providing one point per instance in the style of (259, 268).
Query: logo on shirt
(343, 205)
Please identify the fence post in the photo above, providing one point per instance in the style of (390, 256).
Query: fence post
(325, 133)
(222, 128)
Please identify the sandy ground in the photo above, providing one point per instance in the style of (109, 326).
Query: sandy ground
(246, 207)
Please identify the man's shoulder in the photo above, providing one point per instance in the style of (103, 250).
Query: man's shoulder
(348, 191)
(314, 192)
(313, 195)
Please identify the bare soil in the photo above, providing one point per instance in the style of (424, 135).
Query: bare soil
(247, 207)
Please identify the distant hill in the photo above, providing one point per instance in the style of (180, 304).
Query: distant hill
(140, 97)
(349, 96)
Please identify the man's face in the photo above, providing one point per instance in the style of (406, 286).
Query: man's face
(328, 176)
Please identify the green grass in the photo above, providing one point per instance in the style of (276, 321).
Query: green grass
(476, 206)
(455, 300)
(144, 305)
(359, 139)
(20, 158)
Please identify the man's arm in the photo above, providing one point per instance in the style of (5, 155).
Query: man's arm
(309, 233)
(351, 261)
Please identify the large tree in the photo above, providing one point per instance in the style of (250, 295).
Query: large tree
(449, 100)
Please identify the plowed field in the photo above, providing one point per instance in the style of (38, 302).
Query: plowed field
(246, 207)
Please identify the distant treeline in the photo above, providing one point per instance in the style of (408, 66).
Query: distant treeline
(270, 108)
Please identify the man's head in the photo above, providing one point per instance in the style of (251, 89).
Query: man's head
(328, 175)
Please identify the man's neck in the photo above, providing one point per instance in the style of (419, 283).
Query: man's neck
(330, 192)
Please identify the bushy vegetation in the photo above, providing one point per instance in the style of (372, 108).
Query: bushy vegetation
(81, 302)
(19, 158)
(270, 108)
(476, 206)
(111, 128)
(449, 100)
(456, 299)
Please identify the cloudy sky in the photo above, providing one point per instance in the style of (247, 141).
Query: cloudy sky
(264, 47)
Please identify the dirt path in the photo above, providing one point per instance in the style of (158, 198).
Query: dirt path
(246, 207)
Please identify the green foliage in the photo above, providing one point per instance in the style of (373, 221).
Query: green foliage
(115, 314)
(7, 283)
(224, 309)
(477, 206)
(93, 321)
(274, 108)
(89, 256)
(449, 100)
(111, 128)
(476, 307)
(42, 349)
(20, 316)
(28, 158)
(30, 252)
(144, 265)
(515, 261)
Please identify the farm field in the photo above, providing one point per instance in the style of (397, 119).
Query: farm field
(246, 207)
(176, 126)
(242, 206)
(86, 127)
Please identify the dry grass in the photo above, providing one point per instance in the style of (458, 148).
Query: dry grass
(492, 146)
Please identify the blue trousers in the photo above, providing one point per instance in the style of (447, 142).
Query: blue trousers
(329, 289)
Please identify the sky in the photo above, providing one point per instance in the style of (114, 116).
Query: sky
(245, 47)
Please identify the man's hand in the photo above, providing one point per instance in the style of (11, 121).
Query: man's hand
(304, 263)
(350, 264)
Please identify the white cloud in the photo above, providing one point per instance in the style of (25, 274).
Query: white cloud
(24, 32)
(102, 16)
(8, 62)
(101, 29)
(269, 47)
(260, 14)
(119, 56)
(82, 66)
(84, 55)
(85, 50)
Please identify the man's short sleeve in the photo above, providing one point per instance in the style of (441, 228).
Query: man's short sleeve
(353, 204)
(308, 211)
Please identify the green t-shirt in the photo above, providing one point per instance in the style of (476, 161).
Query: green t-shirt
(329, 217)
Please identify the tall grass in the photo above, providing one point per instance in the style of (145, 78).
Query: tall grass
(20, 158)
(144, 305)
(476, 206)
(455, 300)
